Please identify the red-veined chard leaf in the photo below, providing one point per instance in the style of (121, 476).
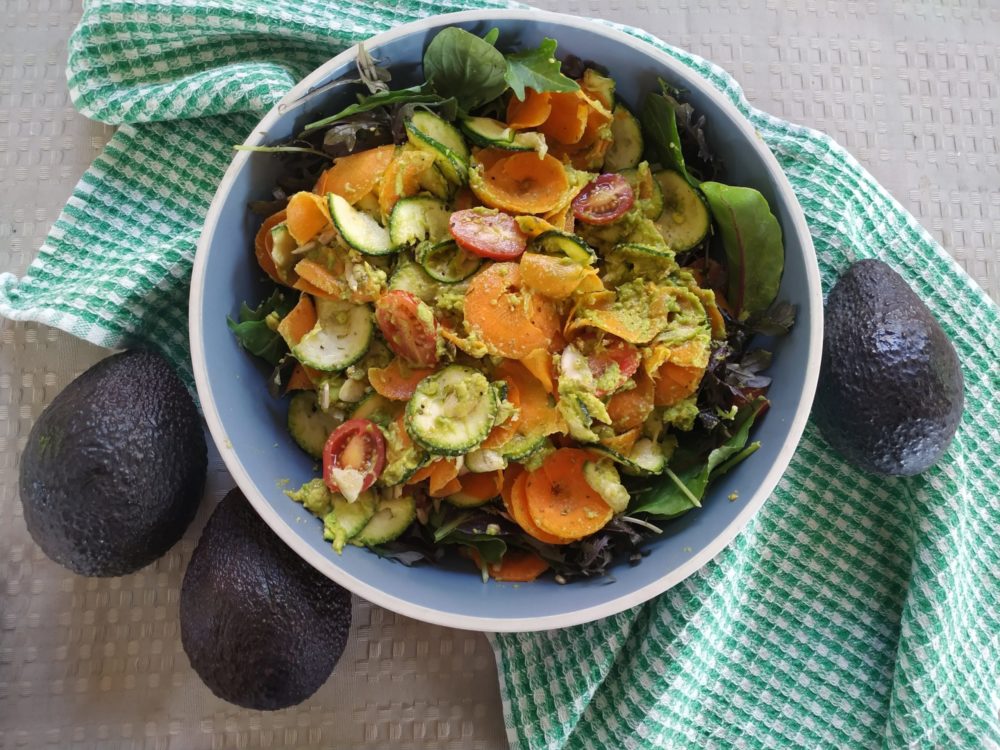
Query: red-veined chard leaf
(751, 237)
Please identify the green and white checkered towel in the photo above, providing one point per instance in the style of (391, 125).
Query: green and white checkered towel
(854, 611)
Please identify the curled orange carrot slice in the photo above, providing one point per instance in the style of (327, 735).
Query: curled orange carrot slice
(522, 515)
(556, 278)
(532, 112)
(263, 243)
(559, 499)
(353, 177)
(520, 182)
(629, 409)
(307, 216)
(518, 566)
(568, 118)
(397, 381)
(511, 322)
(299, 321)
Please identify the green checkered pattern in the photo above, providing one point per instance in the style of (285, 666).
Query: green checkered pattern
(855, 611)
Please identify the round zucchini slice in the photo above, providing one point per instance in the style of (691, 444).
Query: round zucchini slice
(392, 516)
(447, 262)
(418, 219)
(341, 336)
(555, 242)
(452, 411)
(358, 229)
(309, 425)
(429, 132)
(626, 141)
(411, 278)
(685, 220)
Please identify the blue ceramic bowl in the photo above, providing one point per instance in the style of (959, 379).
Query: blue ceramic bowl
(249, 427)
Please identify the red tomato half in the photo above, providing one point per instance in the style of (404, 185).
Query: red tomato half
(409, 334)
(614, 352)
(603, 200)
(357, 444)
(489, 234)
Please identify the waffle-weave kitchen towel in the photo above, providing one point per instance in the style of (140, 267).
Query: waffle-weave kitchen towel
(854, 611)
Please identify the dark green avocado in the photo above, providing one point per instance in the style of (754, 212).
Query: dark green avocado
(890, 393)
(262, 628)
(114, 468)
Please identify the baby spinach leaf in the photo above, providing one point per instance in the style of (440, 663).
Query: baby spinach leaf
(460, 64)
(751, 236)
(686, 488)
(491, 36)
(255, 335)
(659, 124)
(537, 69)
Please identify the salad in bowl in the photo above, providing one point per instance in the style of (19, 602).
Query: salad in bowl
(512, 314)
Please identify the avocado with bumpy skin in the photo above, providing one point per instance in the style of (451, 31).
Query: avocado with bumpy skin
(890, 393)
(114, 467)
(262, 628)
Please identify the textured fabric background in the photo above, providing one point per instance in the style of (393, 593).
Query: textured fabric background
(855, 611)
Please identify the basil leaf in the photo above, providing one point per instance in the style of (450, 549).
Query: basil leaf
(460, 64)
(674, 498)
(412, 95)
(659, 124)
(253, 333)
(751, 236)
(537, 69)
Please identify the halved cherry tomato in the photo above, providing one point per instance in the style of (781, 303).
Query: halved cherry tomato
(358, 444)
(488, 233)
(614, 352)
(410, 334)
(603, 200)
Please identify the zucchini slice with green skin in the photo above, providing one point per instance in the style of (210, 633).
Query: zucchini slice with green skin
(392, 517)
(418, 219)
(346, 519)
(283, 247)
(452, 411)
(626, 147)
(685, 220)
(341, 336)
(635, 248)
(483, 460)
(461, 500)
(490, 133)
(602, 476)
(647, 190)
(358, 229)
(645, 459)
(447, 262)
(555, 242)
(430, 133)
(521, 447)
(309, 425)
(375, 408)
(434, 182)
(411, 278)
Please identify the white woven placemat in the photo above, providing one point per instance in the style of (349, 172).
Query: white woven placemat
(97, 663)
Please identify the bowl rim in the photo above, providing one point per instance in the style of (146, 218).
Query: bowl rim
(291, 536)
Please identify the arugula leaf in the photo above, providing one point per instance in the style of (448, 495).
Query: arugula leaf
(412, 95)
(255, 335)
(687, 488)
(462, 65)
(537, 69)
(659, 124)
(751, 236)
